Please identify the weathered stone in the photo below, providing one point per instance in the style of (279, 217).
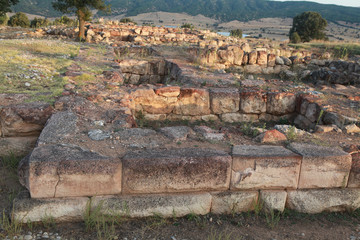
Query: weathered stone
(322, 167)
(323, 129)
(173, 91)
(211, 117)
(224, 100)
(134, 66)
(252, 102)
(70, 171)
(252, 58)
(24, 119)
(140, 138)
(273, 200)
(19, 146)
(264, 167)
(271, 136)
(193, 102)
(146, 100)
(150, 205)
(253, 69)
(178, 133)
(279, 61)
(280, 103)
(176, 170)
(262, 58)
(352, 128)
(313, 112)
(209, 133)
(60, 126)
(98, 135)
(155, 117)
(303, 123)
(354, 178)
(271, 61)
(285, 129)
(26, 209)
(239, 117)
(233, 202)
(320, 200)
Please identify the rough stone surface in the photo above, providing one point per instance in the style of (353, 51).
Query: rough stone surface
(147, 101)
(224, 100)
(175, 170)
(239, 117)
(179, 133)
(280, 103)
(264, 167)
(273, 200)
(322, 167)
(320, 200)
(233, 202)
(352, 128)
(209, 133)
(252, 102)
(98, 135)
(140, 138)
(150, 205)
(288, 128)
(27, 209)
(58, 127)
(354, 178)
(19, 146)
(271, 136)
(193, 102)
(70, 171)
(303, 123)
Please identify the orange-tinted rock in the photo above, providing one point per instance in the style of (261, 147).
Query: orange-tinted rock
(172, 91)
(252, 102)
(193, 102)
(262, 58)
(354, 178)
(271, 136)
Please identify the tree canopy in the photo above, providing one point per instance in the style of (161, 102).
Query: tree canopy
(5, 6)
(308, 26)
(82, 9)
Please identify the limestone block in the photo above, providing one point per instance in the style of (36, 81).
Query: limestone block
(280, 103)
(262, 58)
(354, 178)
(208, 118)
(252, 102)
(134, 66)
(175, 170)
(264, 167)
(147, 101)
(233, 202)
(193, 102)
(148, 205)
(239, 117)
(173, 91)
(271, 61)
(252, 57)
(224, 100)
(322, 167)
(26, 209)
(70, 171)
(320, 200)
(253, 69)
(273, 200)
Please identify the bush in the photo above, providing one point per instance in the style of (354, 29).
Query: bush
(64, 20)
(4, 19)
(309, 26)
(19, 20)
(295, 38)
(236, 33)
(188, 25)
(39, 22)
(127, 20)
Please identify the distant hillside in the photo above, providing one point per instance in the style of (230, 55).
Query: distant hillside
(224, 10)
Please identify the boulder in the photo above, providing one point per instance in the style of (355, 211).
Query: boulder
(271, 136)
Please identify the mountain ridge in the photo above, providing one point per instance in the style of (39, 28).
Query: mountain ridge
(223, 10)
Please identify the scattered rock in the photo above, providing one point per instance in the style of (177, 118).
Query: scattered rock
(271, 136)
(352, 128)
(98, 135)
(179, 133)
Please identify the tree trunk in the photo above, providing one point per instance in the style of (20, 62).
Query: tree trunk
(81, 18)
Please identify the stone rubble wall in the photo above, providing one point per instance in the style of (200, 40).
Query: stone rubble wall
(302, 177)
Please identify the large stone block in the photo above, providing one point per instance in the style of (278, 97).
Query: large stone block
(273, 200)
(233, 202)
(264, 167)
(176, 170)
(262, 57)
(26, 209)
(134, 66)
(354, 178)
(252, 102)
(150, 205)
(148, 101)
(322, 167)
(239, 117)
(193, 102)
(280, 103)
(224, 100)
(70, 171)
(320, 200)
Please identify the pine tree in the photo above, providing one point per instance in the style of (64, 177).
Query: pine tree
(82, 9)
(5, 6)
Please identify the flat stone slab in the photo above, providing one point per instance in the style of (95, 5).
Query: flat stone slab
(264, 167)
(176, 170)
(140, 138)
(70, 171)
(168, 205)
(234, 202)
(178, 133)
(320, 200)
(27, 209)
(322, 167)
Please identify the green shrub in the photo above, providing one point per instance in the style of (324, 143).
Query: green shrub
(127, 20)
(309, 26)
(188, 25)
(4, 19)
(39, 22)
(295, 38)
(19, 20)
(64, 20)
(236, 33)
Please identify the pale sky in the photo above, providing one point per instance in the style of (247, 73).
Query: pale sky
(350, 3)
